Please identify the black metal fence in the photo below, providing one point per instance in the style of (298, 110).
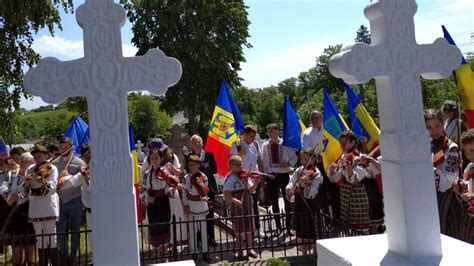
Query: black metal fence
(276, 243)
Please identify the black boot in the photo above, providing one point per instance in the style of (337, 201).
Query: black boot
(43, 260)
(54, 256)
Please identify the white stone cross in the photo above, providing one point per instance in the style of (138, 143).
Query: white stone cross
(396, 62)
(104, 76)
(140, 153)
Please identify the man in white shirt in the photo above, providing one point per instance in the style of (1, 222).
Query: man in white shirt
(313, 136)
(247, 148)
(277, 160)
(313, 139)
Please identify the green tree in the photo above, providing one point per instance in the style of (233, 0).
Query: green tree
(18, 21)
(54, 127)
(78, 105)
(363, 35)
(147, 119)
(207, 37)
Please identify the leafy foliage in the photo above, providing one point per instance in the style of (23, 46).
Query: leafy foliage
(207, 37)
(19, 20)
(147, 119)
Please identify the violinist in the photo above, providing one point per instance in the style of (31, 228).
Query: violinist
(277, 160)
(238, 191)
(195, 202)
(70, 211)
(446, 165)
(157, 200)
(40, 184)
(19, 220)
(249, 151)
(466, 189)
(304, 185)
(82, 180)
(353, 196)
(209, 168)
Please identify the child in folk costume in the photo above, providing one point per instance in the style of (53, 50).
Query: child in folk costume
(40, 184)
(349, 175)
(238, 191)
(82, 179)
(304, 185)
(446, 165)
(156, 197)
(466, 189)
(195, 202)
(373, 187)
(22, 230)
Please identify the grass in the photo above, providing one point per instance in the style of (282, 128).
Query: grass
(52, 114)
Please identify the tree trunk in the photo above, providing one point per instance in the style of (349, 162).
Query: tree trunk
(192, 121)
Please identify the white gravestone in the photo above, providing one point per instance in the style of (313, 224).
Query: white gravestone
(104, 76)
(396, 61)
(140, 154)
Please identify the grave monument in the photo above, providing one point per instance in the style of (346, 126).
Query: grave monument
(104, 76)
(396, 61)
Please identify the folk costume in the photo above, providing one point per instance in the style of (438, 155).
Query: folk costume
(198, 208)
(239, 189)
(306, 201)
(374, 195)
(5, 209)
(21, 227)
(446, 162)
(209, 168)
(158, 212)
(250, 162)
(353, 195)
(273, 155)
(467, 212)
(43, 211)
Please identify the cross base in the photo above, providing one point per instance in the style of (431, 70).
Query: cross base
(373, 250)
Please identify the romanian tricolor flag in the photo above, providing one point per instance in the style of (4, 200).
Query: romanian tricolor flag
(293, 127)
(136, 172)
(333, 126)
(362, 123)
(465, 82)
(224, 129)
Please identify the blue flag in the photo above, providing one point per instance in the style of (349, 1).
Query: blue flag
(78, 131)
(239, 123)
(3, 147)
(293, 127)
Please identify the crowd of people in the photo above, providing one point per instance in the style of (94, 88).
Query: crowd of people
(46, 190)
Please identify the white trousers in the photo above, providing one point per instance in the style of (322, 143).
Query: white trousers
(46, 227)
(197, 223)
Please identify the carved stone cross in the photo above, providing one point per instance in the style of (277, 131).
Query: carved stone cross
(396, 62)
(104, 76)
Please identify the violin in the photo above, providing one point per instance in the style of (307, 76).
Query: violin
(164, 175)
(198, 181)
(42, 170)
(439, 146)
(254, 175)
(311, 171)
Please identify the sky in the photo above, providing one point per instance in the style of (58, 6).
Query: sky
(286, 35)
